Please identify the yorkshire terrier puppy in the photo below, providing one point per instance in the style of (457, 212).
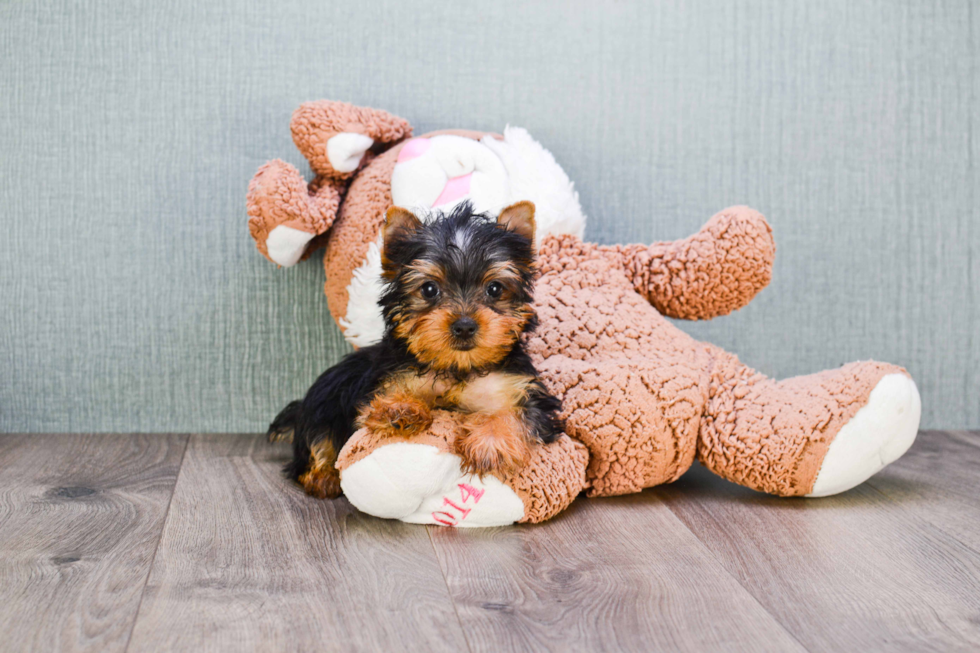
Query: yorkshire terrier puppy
(456, 301)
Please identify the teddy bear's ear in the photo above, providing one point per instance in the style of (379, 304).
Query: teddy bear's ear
(518, 218)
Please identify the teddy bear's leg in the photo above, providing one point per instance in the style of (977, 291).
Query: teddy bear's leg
(813, 435)
(285, 213)
(638, 417)
(335, 136)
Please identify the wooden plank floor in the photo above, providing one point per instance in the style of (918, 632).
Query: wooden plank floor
(175, 542)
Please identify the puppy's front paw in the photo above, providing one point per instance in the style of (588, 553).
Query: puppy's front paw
(396, 415)
(493, 444)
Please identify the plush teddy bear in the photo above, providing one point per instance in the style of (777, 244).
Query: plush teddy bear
(641, 399)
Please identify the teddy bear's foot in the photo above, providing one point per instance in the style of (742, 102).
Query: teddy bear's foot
(286, 245)
(423, 484)
(879, 434)
(346, 150)
(422, 481)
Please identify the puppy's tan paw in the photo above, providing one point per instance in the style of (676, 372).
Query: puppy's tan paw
(396, 415)
(493, 444)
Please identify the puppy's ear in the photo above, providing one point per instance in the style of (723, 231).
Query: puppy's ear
(518, 218)
(399, 221)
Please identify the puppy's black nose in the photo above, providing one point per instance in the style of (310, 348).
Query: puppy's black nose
(464, 327)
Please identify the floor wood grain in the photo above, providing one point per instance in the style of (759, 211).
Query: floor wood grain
(196, 543)
(614, 574)
(80, 518)
(939, 480)
(248, 562)
(867, 570)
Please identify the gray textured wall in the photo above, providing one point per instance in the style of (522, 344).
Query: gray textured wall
(133, 299)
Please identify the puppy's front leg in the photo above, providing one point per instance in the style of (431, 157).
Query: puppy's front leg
(496, 438)
(401, 408)
(494, 442)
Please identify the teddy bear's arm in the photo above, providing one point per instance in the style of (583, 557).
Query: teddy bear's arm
(714, 272)
(335, 136)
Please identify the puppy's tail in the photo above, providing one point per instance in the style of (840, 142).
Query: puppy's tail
(283, 427)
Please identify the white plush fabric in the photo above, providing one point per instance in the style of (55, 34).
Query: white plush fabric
(286, 245)
(503, 172)
(877, 435)
(363, 325)
(535, 175)
(420, 484)
(345, 150)
(417, 183)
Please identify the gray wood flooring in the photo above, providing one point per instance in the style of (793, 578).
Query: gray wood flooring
(195, 542)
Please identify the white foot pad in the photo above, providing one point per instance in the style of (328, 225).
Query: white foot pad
(286, 245)
(345, 150)
(420, 484)
(877, 435)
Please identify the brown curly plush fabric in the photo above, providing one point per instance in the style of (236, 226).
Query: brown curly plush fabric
(633, 386)
(278, 195)
(555, 475)
(314, 123)
(357, 226)
(712, 273)
(644, 397)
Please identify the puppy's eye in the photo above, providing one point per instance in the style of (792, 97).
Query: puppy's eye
(430, 290)
(495, 289)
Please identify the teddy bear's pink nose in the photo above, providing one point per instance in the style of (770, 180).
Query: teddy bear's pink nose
(413, 148)
(455, 188)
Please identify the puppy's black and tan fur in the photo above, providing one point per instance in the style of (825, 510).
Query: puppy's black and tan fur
(457, 299)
